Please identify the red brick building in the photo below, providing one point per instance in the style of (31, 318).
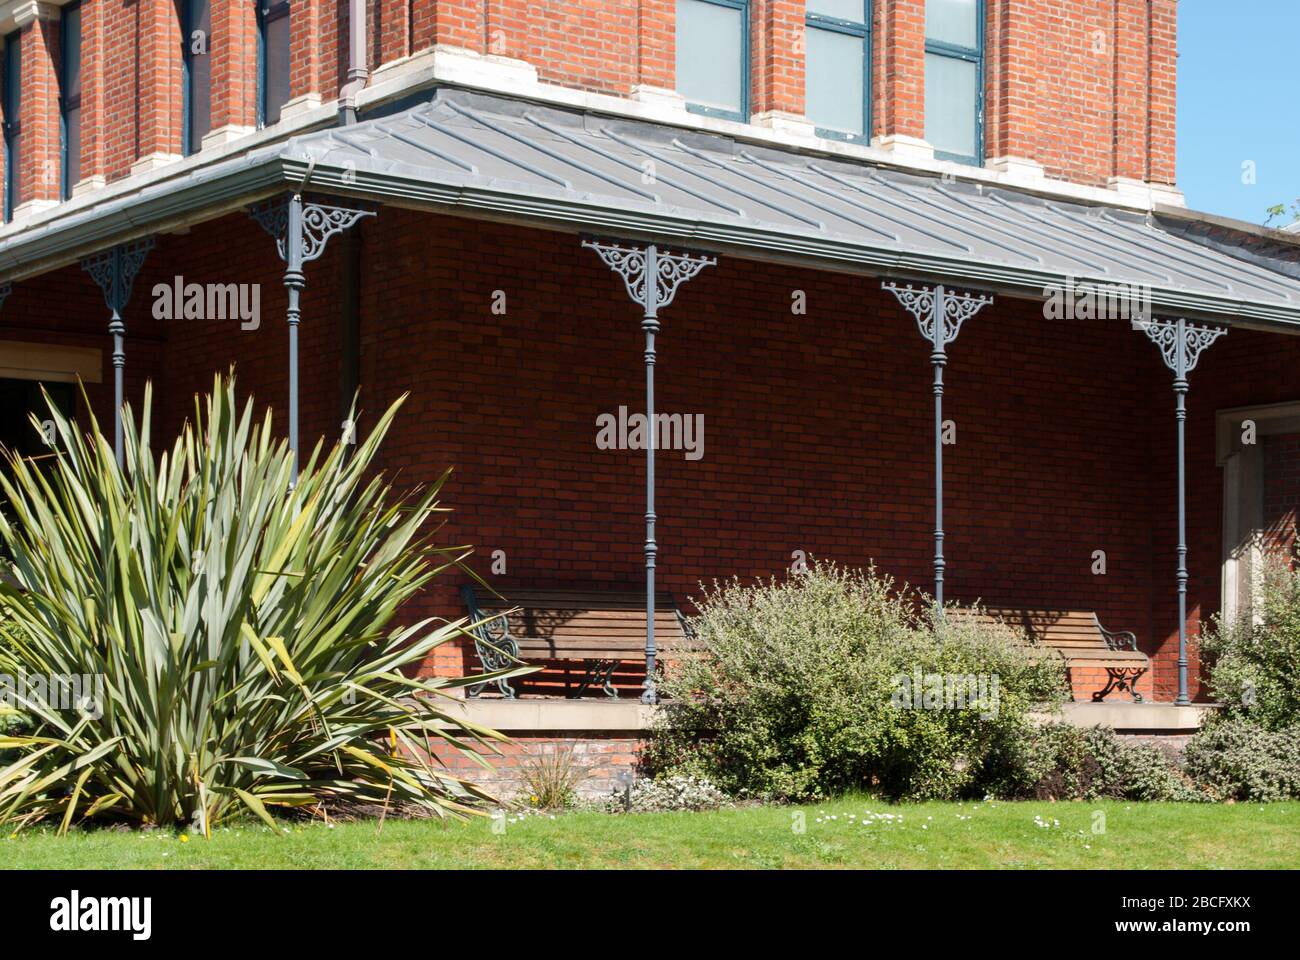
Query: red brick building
(1013, 148)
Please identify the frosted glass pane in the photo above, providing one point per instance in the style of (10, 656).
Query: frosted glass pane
(952, 21)
(834, 78)
(854, 10)
(708, 54)
(950, 104)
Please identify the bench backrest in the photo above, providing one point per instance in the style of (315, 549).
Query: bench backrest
(581, 624)
(1067, 630)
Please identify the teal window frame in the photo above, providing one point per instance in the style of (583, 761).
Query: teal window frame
(188, 13)
(743, 114)
(820, 21)
(68, 103)
(269, 11)
(13, 85)
(973, 55)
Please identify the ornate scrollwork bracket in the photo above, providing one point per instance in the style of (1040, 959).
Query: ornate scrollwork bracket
(115, 270)
(1181, 342)
(651, 275)
(955, 309)
(320, 221)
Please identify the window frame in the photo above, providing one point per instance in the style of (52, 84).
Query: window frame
(820, 21)
(13, 128)
(973, 55)
(269, 11)
(187, 11)
(745, 71)
(67, 104)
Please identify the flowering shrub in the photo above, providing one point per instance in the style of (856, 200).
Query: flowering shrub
(1235, 759)
(821, 683)
(1060, 762)
(1256, 673)
(671, 793)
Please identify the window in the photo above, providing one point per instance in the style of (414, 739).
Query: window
(13, 127)
(196, 67)
(837, 65)
(713, 56)
(954, 78)
(272, 59)
(70, 99)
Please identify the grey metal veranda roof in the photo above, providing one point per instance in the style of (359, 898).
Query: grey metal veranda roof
(494, 157)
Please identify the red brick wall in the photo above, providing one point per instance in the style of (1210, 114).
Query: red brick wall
(817, 427)
(1085, 88)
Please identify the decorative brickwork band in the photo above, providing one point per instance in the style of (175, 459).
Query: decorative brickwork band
(652, 277)
(939, 315)
(1181, 344)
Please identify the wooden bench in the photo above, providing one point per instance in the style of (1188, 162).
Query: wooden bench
(600, 628)
(1080, 639)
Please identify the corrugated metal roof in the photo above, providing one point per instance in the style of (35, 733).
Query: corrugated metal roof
(588, 172)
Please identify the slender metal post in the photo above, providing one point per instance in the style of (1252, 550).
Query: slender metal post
(938, 358)
(294, 281)
(115, 271)
(1181, 344)
(650, 324)
(651, 278)
(939, 314)
(301, 231)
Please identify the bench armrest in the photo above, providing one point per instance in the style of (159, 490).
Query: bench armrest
(496, 639)
(1119, 639)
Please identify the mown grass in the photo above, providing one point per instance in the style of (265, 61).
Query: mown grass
(1099, 836)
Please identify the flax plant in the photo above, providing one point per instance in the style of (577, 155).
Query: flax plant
(242, 628)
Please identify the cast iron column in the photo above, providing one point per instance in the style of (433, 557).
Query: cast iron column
(115, 271)
(652, 278)
(1180, 345)
(301, 231)
(939, 314)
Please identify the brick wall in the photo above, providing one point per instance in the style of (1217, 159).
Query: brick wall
(1085, 88)
(817, 427)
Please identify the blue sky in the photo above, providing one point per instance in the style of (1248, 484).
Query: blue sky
(1238, 101)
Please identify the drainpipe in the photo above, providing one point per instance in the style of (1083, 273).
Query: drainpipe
(358, 73)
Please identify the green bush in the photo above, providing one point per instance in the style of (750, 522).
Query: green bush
(808, 687)
(1235, 759)
(1057, 761)
(243, 626)
(1256, 657)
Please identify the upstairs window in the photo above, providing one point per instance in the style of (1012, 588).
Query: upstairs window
(196, 75)
(13, 127)
(713, 56)
(272, 59)
(836, 67)
(954, 78)
(70, 99)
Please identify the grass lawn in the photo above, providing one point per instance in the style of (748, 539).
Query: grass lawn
(944, 835)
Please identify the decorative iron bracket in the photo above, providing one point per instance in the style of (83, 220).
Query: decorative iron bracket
(1181, 342)
(320, 221)
(956, 309)
(115, 270)
(638, 266)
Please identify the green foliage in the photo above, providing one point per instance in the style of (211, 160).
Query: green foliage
(794, 691)
(1256, 671)
(242, 626)
(1057, 761)
(1279, 211)
(1235, 759)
